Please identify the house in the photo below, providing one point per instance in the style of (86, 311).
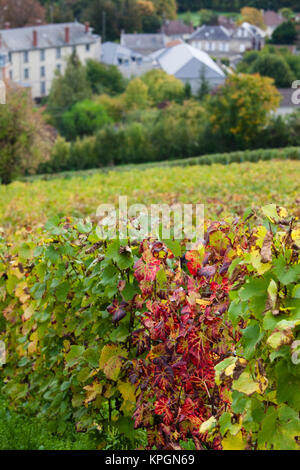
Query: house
(144, 44)
(30, 56)
(272, 20)
(176, 29)
(227, 23)
(187, 64)
(220, 42)
(129, 63)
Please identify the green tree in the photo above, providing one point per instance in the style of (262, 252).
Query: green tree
(241, 109)
(208, 17)
(84, 118)
(163, 87)
(274, 66)
(25, 140)
(204, 87)
(104, 78)
(136, 95)
(286, 33)
(67, 90)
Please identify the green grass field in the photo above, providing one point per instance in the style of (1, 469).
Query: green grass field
(195, 16)
(223, 189)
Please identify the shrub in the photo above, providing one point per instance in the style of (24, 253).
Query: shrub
(84, 118)
(25, 139)
(263, 374)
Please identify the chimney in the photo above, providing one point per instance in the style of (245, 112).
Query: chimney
(34, 38)
(87, 28)
(67, 34)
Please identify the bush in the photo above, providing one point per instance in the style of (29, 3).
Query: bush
(154, 336)
(83, 119)
(25, 139)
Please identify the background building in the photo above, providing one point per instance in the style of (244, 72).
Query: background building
(30, 56)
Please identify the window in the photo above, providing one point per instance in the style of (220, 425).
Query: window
(87, 47)
(58, 53)
(26, 57)
(58, 67)
(74, 49)
(10, 74)
(9, 57)
(43, 71)
(42, 54)
(43, 88)
(242, 48)
(26, 74)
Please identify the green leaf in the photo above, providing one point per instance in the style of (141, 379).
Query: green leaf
(74, 355)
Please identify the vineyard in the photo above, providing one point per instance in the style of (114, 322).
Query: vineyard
(164, 346)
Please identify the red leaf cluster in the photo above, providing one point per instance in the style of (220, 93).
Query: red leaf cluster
(183, 336)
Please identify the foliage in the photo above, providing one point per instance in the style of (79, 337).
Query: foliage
(197, 344)
(84, 118)
(274, 66)
(253, 16)
(25, 140)
(241, 108)
(263, 375)
(136, 95)
(183, 335)
(19, 14)
(104, 78)
(63, 302)
(23, 432)
(163, 87)
(286, 33)
(208, 17)
(67, 90)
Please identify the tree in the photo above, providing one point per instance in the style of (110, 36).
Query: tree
(25, 139)
(287, 13)
(166, 9)
(252, 16)
(19, 13)
(67, 90)
(286, 33)
(204, 88)
(84, 118)
(241, 109)
(136, 95)
(274, 66)
(163, 87)
(104, 78)
(208, 17)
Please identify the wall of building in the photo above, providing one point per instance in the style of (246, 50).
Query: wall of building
(37, 72)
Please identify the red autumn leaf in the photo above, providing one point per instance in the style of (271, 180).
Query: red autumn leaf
(146, 271)
(162, 407)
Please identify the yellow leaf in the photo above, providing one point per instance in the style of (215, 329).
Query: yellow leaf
(111, 360)
(92, 391)
(245, 384)
(234, 442)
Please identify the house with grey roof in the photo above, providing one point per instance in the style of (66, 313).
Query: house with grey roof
(221, 42)
(188, 64)
(144, 44)
(30, 56)
(129, 63)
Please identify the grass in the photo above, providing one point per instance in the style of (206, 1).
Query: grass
(20, 432)
(223, 189)
(195, 16)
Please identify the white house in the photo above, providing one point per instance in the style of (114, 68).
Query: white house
(188, 64)
(30, 56)
(130, 63)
